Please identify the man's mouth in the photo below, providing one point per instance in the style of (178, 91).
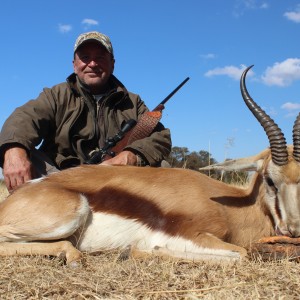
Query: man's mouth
(93, 74)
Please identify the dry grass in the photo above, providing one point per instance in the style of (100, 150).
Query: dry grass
(105, 277)
(3, 190)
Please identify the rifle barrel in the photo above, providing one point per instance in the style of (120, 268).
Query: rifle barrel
(175, 91)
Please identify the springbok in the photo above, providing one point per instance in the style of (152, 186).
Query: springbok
(173, 212)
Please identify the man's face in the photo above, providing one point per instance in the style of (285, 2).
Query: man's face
(93, 64)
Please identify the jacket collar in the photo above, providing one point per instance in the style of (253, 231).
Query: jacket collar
(114, 83)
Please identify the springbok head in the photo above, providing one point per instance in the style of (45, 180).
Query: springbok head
(280, 169)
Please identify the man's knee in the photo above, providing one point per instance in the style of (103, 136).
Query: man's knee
(42, 164)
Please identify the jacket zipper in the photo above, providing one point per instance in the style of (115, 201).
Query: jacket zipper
(100, 123)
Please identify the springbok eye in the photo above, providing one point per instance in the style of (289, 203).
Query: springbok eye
(269, 181)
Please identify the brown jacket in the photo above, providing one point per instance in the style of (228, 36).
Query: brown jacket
(68, 124)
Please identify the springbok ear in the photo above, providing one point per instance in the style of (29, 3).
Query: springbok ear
(251, 163)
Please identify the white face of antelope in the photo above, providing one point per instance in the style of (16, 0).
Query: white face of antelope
(283, 196)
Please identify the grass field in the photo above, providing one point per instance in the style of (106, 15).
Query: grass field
(106, 277)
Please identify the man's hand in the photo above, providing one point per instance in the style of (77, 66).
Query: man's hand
(16, 167)
(123, 158)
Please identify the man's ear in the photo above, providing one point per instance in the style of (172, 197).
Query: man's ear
(113, 64)
(73, 62)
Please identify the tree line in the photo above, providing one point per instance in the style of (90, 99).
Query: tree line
(181, 157)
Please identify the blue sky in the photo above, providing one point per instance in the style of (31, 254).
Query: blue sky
(159, 43)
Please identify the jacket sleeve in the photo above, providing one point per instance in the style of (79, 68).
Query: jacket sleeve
(28, 124)
(157, 146)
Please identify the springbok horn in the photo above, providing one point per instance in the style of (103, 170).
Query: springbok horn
(276, 138)
(296, 139)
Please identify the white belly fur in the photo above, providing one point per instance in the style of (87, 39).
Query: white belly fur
(108, 231)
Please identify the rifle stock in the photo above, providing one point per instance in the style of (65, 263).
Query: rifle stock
(143, 128)
(134, 131)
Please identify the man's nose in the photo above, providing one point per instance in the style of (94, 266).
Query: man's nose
(92, 63)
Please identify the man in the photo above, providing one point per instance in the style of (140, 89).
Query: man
(73, 118)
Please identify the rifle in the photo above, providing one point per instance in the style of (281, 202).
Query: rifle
(132, 131)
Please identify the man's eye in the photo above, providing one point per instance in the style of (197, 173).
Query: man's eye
(84, 58)
(100, 58)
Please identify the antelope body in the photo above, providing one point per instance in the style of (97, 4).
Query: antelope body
(173, 212)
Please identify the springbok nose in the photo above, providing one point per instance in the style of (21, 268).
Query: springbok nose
(294, 230)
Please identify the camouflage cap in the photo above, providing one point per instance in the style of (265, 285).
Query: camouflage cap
(96, 36)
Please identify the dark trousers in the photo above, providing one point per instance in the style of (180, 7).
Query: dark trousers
(42, 164)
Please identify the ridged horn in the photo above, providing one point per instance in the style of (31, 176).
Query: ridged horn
(276, 138)
(296, 139)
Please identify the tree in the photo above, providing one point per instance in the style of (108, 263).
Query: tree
(178, 156)
(181, 157)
